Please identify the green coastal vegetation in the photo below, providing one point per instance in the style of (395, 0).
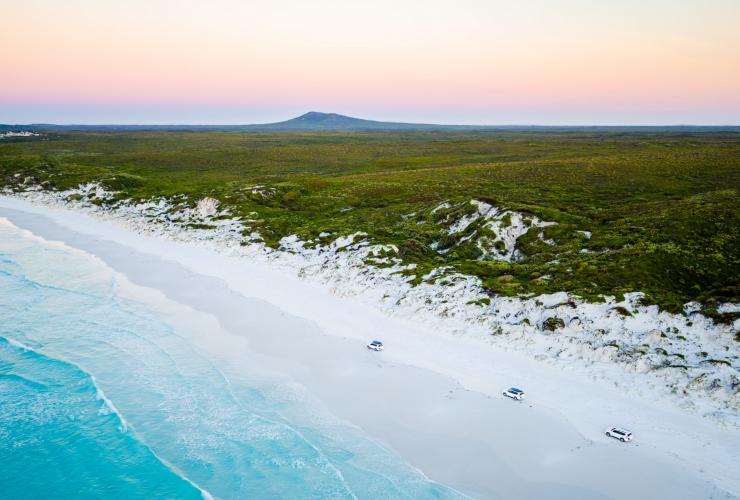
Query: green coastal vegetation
(636, 210)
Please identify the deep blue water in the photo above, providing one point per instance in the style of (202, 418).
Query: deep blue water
(101, 397)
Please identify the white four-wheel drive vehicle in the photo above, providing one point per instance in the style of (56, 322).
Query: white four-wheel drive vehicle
(618, 433)
(375, 345)
(514, 393)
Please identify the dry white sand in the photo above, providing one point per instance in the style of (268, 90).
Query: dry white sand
(433, 398)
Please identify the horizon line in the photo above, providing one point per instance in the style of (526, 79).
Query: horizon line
(477, 125)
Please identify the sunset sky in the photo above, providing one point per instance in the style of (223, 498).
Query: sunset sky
(462, 61)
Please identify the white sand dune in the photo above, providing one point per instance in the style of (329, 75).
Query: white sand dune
(433, 397)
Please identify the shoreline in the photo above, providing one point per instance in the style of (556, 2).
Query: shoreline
(458, 372)
(686, 360)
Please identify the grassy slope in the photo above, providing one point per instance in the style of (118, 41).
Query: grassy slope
(662, 207)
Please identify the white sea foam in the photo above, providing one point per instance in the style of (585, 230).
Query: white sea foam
(108, 404)
(99, 394)
(18, 344)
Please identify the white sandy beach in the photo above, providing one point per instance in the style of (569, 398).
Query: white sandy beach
(432, 396)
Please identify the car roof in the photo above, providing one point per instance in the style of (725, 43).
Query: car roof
(620, 430)
(515, 389)
(376, 342)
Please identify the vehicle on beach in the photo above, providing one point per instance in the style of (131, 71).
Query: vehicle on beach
(375, 345)
(618, 433)
(514, 393)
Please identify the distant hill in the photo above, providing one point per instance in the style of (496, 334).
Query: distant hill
(315, 120)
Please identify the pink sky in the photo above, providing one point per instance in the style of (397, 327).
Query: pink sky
(467, 61)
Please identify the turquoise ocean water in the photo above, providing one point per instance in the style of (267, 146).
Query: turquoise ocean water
(101, 398)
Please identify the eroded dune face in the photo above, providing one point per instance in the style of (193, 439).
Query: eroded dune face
(493, 230)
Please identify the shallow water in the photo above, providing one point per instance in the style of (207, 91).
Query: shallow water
(101, 396)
